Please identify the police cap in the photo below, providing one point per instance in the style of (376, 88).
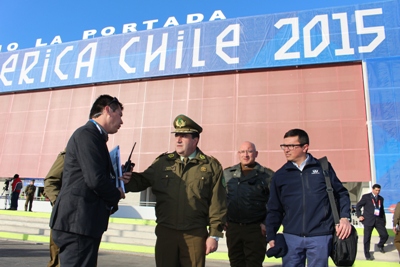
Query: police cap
(184, 124)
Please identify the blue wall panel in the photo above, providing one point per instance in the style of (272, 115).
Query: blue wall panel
(384, 91)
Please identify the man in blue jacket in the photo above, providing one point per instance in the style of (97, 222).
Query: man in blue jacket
(88, 194)
(299, 201)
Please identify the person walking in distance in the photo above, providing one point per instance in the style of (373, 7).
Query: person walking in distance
(372, 216)
(30, 195)
(247, 186)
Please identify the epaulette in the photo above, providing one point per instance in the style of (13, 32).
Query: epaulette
(230, 169)
(156, 159)
(165, 153)
(266, 170)
(215, 159)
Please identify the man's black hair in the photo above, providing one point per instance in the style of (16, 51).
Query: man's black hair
(302, 135)
(101, 102)
(376, 186)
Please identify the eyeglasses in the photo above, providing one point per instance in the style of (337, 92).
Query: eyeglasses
(290, 147)
(246, 151)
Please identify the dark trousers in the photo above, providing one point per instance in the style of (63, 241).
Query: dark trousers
(54, 260)
(383, 235)
(396, 242)
(76, 250)
(14, 200)
(28, 201)
(175, 248)
(246, 245)
(314, 249)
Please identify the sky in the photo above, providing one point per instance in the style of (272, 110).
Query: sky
(27, 23)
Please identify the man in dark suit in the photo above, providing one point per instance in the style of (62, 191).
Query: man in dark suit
(373, 215)
(88, 194)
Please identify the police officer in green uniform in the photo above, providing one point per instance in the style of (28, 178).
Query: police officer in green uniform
(30, 195)
(247, 197)
(190, 199)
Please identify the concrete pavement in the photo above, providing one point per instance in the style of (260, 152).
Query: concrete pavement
(32, 229)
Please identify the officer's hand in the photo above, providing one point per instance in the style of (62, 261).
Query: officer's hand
(211, 245)
(271, 244)
(394, 230)
(361, 218)
(126, 177)
(225, 226)
(122, 192)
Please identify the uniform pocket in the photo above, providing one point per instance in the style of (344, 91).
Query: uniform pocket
(201, 185)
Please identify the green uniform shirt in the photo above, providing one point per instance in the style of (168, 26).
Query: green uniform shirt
(188, 197)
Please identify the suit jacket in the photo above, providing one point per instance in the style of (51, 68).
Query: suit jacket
(88, 192)
(369, 208)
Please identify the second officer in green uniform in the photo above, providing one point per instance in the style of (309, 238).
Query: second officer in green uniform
(190, 199)
(247, 194)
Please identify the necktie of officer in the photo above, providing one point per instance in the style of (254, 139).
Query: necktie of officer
(185, 160)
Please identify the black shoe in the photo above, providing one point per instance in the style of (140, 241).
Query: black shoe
(381, 250)
(370, 258)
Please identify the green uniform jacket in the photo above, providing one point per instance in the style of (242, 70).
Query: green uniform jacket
(188, 197)
(52, 181)
(30, 190)
(396, 215)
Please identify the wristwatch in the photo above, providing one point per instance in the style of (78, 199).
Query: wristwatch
(215, 237)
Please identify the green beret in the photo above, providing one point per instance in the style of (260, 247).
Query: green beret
(184, 124)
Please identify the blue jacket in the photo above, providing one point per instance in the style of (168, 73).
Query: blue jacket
(299, 201)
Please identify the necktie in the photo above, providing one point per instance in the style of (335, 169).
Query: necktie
(185, 160)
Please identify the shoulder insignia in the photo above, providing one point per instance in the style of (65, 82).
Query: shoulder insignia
(161, 155)
(215, 160)
(171, 155)
(202, 157)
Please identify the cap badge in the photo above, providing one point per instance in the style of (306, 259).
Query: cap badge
(180, 123)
